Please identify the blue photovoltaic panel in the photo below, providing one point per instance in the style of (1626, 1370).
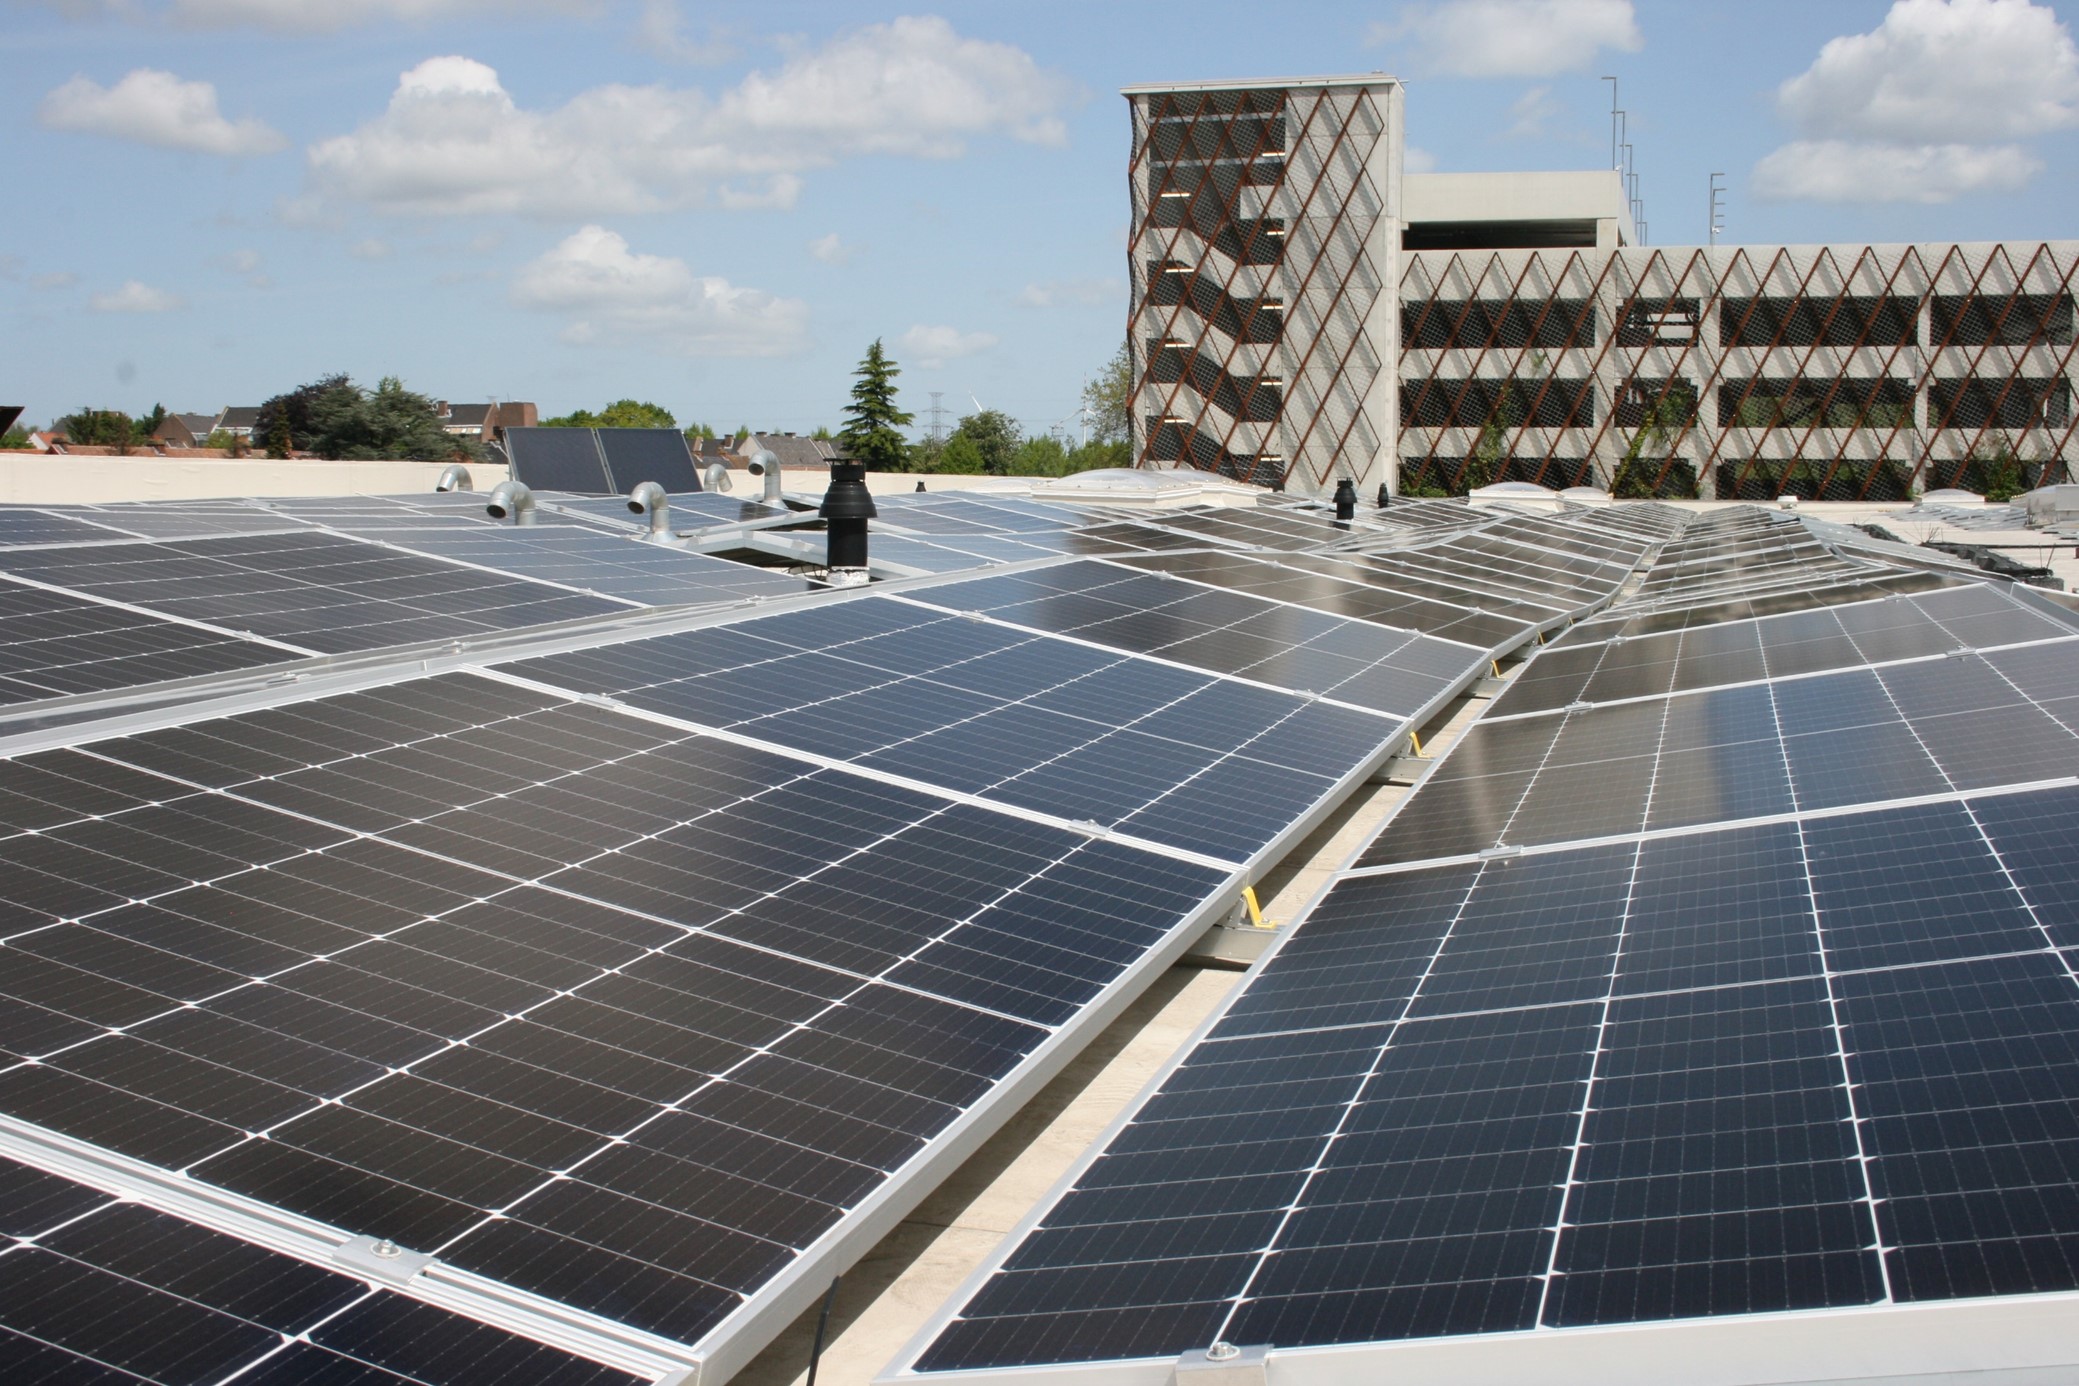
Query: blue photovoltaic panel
(559, 459)
(1825, 1058)
(636, 455)
(100, 1290)
(665, 1005)
(1206, 764)
(319, 592)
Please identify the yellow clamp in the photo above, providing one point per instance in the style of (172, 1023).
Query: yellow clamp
(1415, 741)
(1255, 912)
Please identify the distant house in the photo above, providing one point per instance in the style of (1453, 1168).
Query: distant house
(486, 423)
(792, 450)
(239, 420)
(708, 451)
(185, 430)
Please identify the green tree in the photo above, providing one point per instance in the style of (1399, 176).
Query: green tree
(1107, 396)
(148, 424)
(233, 443)
(995, 435)
(17, 437)
(1995, 471)
(287, 421)
(1095, 454)
(387, 422)
(1491, 450)
(97, 428)
(959, 456)
(1638, 471)
(872, 418)
(622, 413)
(1042, 456)
(695, 432)
(280, 441)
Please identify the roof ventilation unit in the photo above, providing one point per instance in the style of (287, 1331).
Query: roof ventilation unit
(511, 498)
(847, 506)
(648, 498)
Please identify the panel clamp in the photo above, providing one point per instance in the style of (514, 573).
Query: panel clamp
(381, 1260)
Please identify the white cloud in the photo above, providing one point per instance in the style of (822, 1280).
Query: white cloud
(610, 293)
(453, 140)
(135, 297)
(1513, 38)
(658, 27)
(1529, 112)
(1937, 71)
(831, 250)
(324, 16)
(1863, 171)
(369, 249)
(934, 346)
(244, 261)
(157, 108)
(778, 193)
(1924, 107)
(1056, 292)
(53, 279)
(1413, 160)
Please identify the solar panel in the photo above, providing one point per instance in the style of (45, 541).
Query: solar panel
(95, 1289)
(1790, 1038)
(636, 455)
(559, 459)
(53, 644)
(22, 525)
(1005, 712)
(616, 1014)
(602, 564)
(1357, 662)
(690, 512)
(632, 1017)
(316, 592)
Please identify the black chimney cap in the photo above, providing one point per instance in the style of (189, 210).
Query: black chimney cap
(847, 498)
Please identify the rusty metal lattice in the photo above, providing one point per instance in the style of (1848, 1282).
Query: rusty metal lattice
(1840, 373)
(1252, 278)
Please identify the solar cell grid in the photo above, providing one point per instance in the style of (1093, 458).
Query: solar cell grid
(602, 564)
(1820, 1061)
(1385, 669)
(1342, 589)
(736, 1028)
(318, 592)
(559, 459)
(54, 643)
(636, 455)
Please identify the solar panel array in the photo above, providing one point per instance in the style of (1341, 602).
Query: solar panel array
(93, 1289)
(637, 980)
(1720, 972)
(627, 979)
(601, 461)
(112, 598)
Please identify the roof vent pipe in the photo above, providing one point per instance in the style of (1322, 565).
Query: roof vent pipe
(455, 478)
(1385, 497)
(847, 506)
(716, 477)
(763, 463)
(511, 498)
(1345, 501)
(648, 498)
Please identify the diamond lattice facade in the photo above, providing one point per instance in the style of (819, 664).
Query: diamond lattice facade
(1535, 342)
(1264, 248)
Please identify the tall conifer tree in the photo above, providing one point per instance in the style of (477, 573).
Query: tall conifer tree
(872, 418)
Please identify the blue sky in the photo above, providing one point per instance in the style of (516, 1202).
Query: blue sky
(717, 205)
